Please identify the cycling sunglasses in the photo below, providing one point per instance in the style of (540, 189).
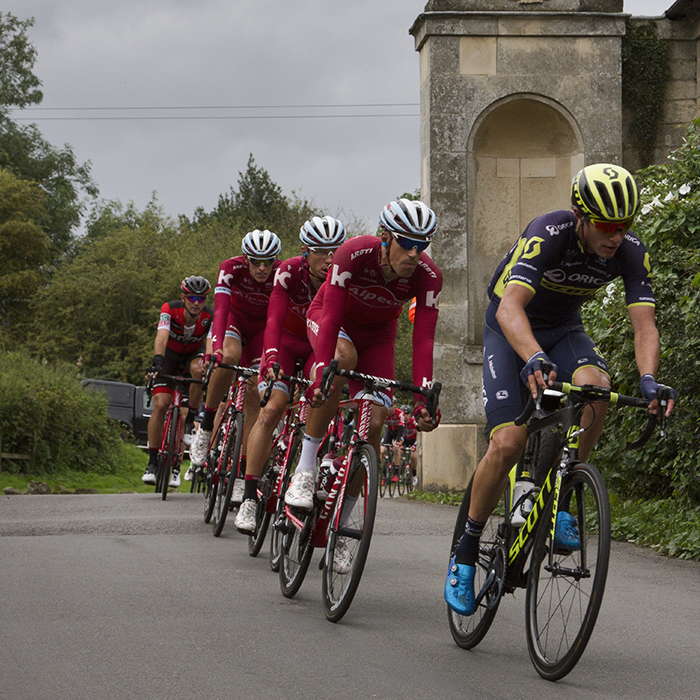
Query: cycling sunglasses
(196, 299)
(323, 251)
(408, 243)
(256, 262)
(613, 226)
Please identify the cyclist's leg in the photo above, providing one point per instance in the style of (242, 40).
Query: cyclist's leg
(580, 362)
(196, 371)
(218, 386)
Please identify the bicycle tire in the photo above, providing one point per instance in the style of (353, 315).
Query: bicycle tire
(401, 484)
(170, 460)
(292, 458)
(548, 451)
(356, 528)
(409, 477)
(262, 518)
(392, 484)
(231, 454)
(562, 605)
(468, 631)
(211, 481)
(296, 553)
(383, 480)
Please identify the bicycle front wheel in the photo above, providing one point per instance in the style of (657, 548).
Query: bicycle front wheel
(288, 466)
(402, 478)
(170, 458)
(468, 631)
(347, 547)
(383, 480)
(565, 590)
(230, 456)
(296, 553)
(262, 516)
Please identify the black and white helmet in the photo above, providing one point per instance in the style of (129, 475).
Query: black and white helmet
(196, 285)
(322, 232)
(412, 219)
(261, 244)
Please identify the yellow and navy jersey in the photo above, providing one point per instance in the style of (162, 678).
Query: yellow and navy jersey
(548, 259)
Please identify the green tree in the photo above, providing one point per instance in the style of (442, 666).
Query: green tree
(19, 87)
(258, 202)
(24, 245)
(23, 150)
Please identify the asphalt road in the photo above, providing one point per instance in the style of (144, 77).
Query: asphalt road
(125, 596)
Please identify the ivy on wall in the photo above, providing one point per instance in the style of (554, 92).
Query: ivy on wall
(644, 75)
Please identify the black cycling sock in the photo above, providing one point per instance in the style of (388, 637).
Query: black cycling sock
(152, 456)
(250, 488)
(208, 420)
(468, 548)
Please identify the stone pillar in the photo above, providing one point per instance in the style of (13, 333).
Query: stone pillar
(512, 104)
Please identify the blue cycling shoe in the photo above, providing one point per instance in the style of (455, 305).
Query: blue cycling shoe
(566, 535)
(459, 588)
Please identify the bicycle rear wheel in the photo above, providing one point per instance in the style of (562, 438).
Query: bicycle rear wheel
(341, 577)
(292, 458)
(563, 599)
(230, 457)
(211, 486)
(393, 480)
(468, 631)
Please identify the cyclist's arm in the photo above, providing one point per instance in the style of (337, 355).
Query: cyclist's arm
(646, 344)
(516, 327)
(276, 315)
(161, 342)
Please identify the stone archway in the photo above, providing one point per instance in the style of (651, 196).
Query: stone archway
(523, 153)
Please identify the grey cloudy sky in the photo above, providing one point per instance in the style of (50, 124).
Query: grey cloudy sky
(223, 53)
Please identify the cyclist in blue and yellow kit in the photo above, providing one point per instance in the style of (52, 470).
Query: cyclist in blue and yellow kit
(560, 261)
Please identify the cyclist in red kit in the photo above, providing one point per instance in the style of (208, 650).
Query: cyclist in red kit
(241, 298)
(354, 319)
(178, 348)
(296, 282)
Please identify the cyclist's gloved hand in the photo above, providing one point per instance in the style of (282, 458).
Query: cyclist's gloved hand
(650, 387)
(535, 363)
(418, 414)
(157, 365)
(214, 357)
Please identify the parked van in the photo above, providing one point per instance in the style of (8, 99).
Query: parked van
(127, 404)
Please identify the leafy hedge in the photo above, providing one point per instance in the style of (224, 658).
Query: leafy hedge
(45, 412)
(669, 225)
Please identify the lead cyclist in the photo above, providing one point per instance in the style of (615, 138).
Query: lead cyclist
(560, 260)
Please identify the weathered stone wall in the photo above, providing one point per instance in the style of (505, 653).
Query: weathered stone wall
(681, 100)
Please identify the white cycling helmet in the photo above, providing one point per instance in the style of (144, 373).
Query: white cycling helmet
(322, 232)
(261, 244)
(412, 219)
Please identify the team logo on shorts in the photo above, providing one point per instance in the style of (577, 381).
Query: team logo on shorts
(502, 394)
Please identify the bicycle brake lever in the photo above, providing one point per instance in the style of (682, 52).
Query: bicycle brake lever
(328, 376)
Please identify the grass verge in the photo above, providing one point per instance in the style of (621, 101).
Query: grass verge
(127, 479)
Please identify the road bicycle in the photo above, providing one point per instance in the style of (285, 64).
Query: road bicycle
(284, 452)
(405, 474)
(287, 464)
(223, 460)
(169, 454)
(564, 586)
(343, 520)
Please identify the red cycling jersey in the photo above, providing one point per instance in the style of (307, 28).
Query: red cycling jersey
(181, 338)
(237, 291)
(357, 291)
(410, 429)
(395, 419)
